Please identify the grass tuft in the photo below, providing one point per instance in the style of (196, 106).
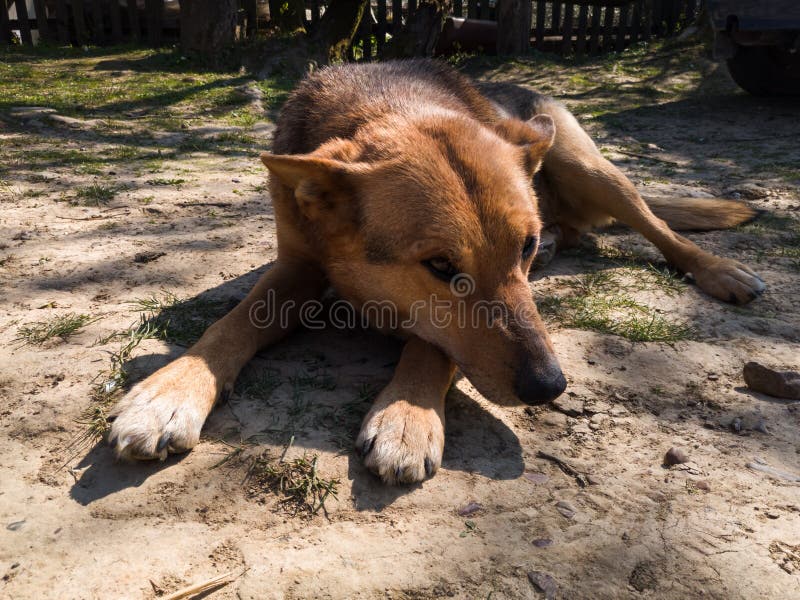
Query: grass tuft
(296, 482)
(95, 194)
(62, 326)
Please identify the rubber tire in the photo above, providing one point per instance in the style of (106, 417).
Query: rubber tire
(766, 70)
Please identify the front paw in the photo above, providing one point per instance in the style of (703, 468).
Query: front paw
(728, 280)
(401, 442)
(165, 412)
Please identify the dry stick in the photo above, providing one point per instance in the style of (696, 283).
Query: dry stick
(198, 588)
(646, 157)
(564, 466)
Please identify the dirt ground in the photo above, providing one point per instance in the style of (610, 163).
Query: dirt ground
(140, 201)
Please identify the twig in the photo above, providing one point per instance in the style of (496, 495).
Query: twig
(198, 588)
(647, 157)
(564, 466)
(285, 450)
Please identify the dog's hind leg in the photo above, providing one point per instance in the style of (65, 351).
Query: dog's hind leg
(591, 188)
(402, 437)
(165, 412)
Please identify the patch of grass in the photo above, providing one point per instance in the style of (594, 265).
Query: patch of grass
(179, 321)
(260, 384)
(95, 194)
(297, 483)
(62, 326)
(597, 303)
(166, 181)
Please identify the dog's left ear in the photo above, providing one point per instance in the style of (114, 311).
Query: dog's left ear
(535, 135)
(323, 187)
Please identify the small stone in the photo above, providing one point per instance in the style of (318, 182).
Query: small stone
(542, 543)
(771, 514)
(543, 583)
(569, 406)
(469, 509)
(597, 421)
(537, 478)
(713, 377)
(15, 525)
(675, 456)
(530, 411)
(597, 406)
(565, 508)
(702, 485)
(780, 384)
(581, 428)
(736, 425)
(618, 411)
(148, 256)
(593, 479)
(555, 419)
(749, 191)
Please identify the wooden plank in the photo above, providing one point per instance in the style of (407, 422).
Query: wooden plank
(594, 38)
(79, 22)
(580, 39)
(397, 16)
(636, 21)
(566, 41)
(622, 28)
(670, 9)
(41, 20)
(133, 19)
(154, 9)
(541, 15)
(5, 25)
(380, 30)
(98, 33)
(608, 29)
(115, 14)
(472, 9)
(23, 22)
(251, 15)
(62, 21)
(556, 22)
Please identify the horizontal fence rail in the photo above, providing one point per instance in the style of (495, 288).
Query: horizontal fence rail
(577, 27)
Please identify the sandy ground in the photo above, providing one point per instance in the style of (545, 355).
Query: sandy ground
(76, 524)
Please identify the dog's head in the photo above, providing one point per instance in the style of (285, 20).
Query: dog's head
(435, 222)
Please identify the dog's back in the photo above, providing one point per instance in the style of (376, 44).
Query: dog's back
(336, 101)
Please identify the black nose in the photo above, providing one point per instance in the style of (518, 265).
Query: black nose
(541, 384)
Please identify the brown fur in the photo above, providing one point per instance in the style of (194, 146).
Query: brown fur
(382, 174)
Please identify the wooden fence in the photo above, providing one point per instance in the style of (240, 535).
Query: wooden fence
(580, 26)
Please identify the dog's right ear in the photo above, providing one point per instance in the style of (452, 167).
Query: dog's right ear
(322, 186)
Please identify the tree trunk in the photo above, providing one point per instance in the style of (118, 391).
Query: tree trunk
(514, 26)
(422, 31)
(288, 15)
(207, 26)
(337, 28)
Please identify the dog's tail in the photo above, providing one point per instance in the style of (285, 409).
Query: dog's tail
(701, 214)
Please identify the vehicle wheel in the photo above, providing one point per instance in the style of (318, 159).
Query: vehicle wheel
(766, 70)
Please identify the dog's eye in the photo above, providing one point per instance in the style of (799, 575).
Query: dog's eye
(529, 247)
(441, 268)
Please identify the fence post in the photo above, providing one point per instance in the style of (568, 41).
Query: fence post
(98, 33)
(155, 12)
(79, 22)
(380, 33)
(133, 16)
(608, 29)
(541, 15)
(622, 28)
(41, 20)
(594, 42)
(24, 22)
(566, 43)
(583, 20)
(62, 21)
(5, 26)
(116, 21)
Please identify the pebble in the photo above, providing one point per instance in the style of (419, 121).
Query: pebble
(675, 456)
(565, 508)
(470, 509)
(15, 525)
(749, 191)
(542, 542)
(597, 406)
(618, 411)
(598, 420)
(780, 384)
(569, 406)
(593, 479)
(537, 478)
(702, 484)
(544, 583)
(555, 419)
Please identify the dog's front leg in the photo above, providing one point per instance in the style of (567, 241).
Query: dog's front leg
(165, 412)
(402, 437)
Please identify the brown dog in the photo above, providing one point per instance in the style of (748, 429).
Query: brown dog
(403, 183)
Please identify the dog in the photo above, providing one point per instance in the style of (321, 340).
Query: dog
(404, 182)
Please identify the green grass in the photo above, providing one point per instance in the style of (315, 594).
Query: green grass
(62, 326)
(599, 302)
(179, 321)
(176, 181)
(95, 194)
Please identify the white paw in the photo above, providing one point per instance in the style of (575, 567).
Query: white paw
(164, 413)
(401, 442)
